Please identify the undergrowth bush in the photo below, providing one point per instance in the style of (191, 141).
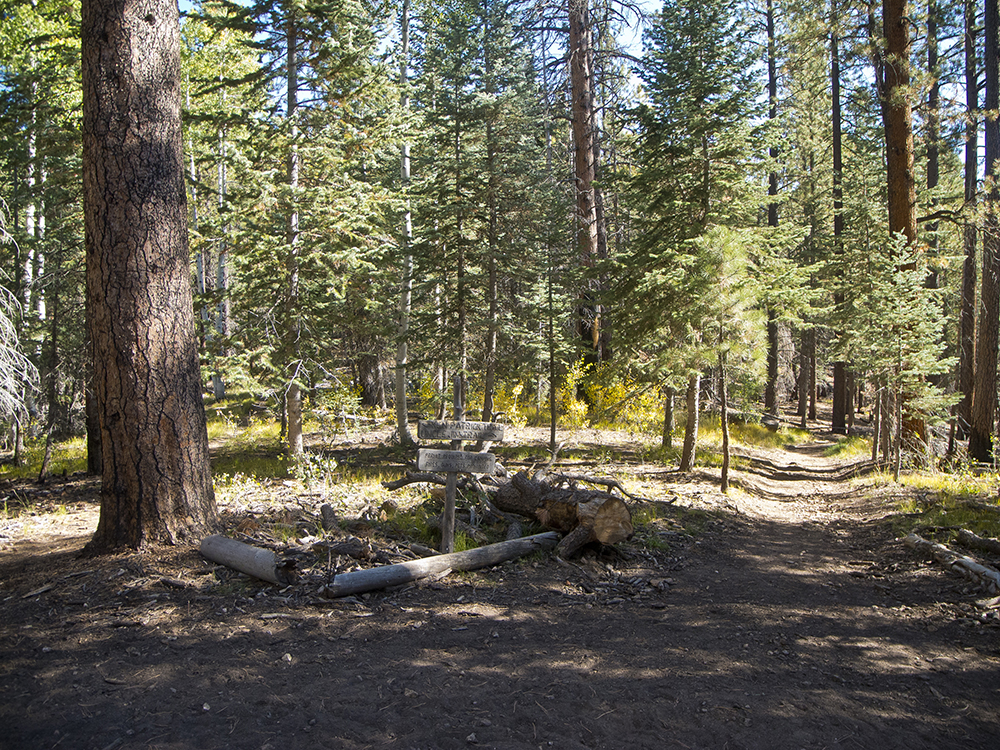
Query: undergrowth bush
(617, 401)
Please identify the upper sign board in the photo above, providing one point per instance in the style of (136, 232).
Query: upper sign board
(430, 430)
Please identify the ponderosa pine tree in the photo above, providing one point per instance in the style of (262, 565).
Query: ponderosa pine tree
(156, 479)
(984, 397)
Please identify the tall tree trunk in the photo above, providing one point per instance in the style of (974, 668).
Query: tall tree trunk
(492, 239)
(805, 366)
(293, 393)
(839, 410)
(581, 57)
(898, 118)
(724, 421)
(406, 239)
(771, 386)
(668, 417)
(223, 309)
(967, 320)
(156, 480)
(691, 428)
(984, 397)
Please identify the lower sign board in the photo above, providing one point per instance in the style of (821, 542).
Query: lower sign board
(437, 430)
(467, 461)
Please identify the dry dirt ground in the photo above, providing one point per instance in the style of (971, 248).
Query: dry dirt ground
(792, 619)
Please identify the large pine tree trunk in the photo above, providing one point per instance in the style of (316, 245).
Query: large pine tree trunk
(967, 321)
(984, 398)
(157, 485)
(581, 58)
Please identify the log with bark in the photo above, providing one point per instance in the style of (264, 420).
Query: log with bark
(582, 515)
(985, 577)
(359, 581)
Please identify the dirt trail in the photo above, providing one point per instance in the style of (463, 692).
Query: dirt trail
(795, 621)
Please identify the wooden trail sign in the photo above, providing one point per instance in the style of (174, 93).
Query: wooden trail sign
(449, 461)
(435, 430)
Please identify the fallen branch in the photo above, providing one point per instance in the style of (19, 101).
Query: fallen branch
(359, 581)
(968, 539)
(611, 484)
(415, 478)
(254, 561)
(986, 577)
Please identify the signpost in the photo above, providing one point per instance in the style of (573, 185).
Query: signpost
(455, 460)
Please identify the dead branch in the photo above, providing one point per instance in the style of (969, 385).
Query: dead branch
(986, 577)
(968, 539)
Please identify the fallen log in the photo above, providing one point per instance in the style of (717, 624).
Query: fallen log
(360, 581)
(583, 515)
(254, 561)
(986, 577)
(969, 539)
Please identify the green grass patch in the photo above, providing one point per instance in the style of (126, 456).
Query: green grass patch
(852, 446)
(68, 457)
(951, 501)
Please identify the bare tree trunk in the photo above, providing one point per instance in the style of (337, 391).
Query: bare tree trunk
(668, 417)
(839, 406)
(691, 428)
(803, 382)
(157, 484)
(771, 386)
(293, 393)
(724, 419)
(406, 291)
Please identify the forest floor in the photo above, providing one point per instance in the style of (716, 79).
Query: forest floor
(786, 614)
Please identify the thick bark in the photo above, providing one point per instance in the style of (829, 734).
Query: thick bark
(584, 133)
(372, 377)
(984, 397)
(898, 120)
(157, 485)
